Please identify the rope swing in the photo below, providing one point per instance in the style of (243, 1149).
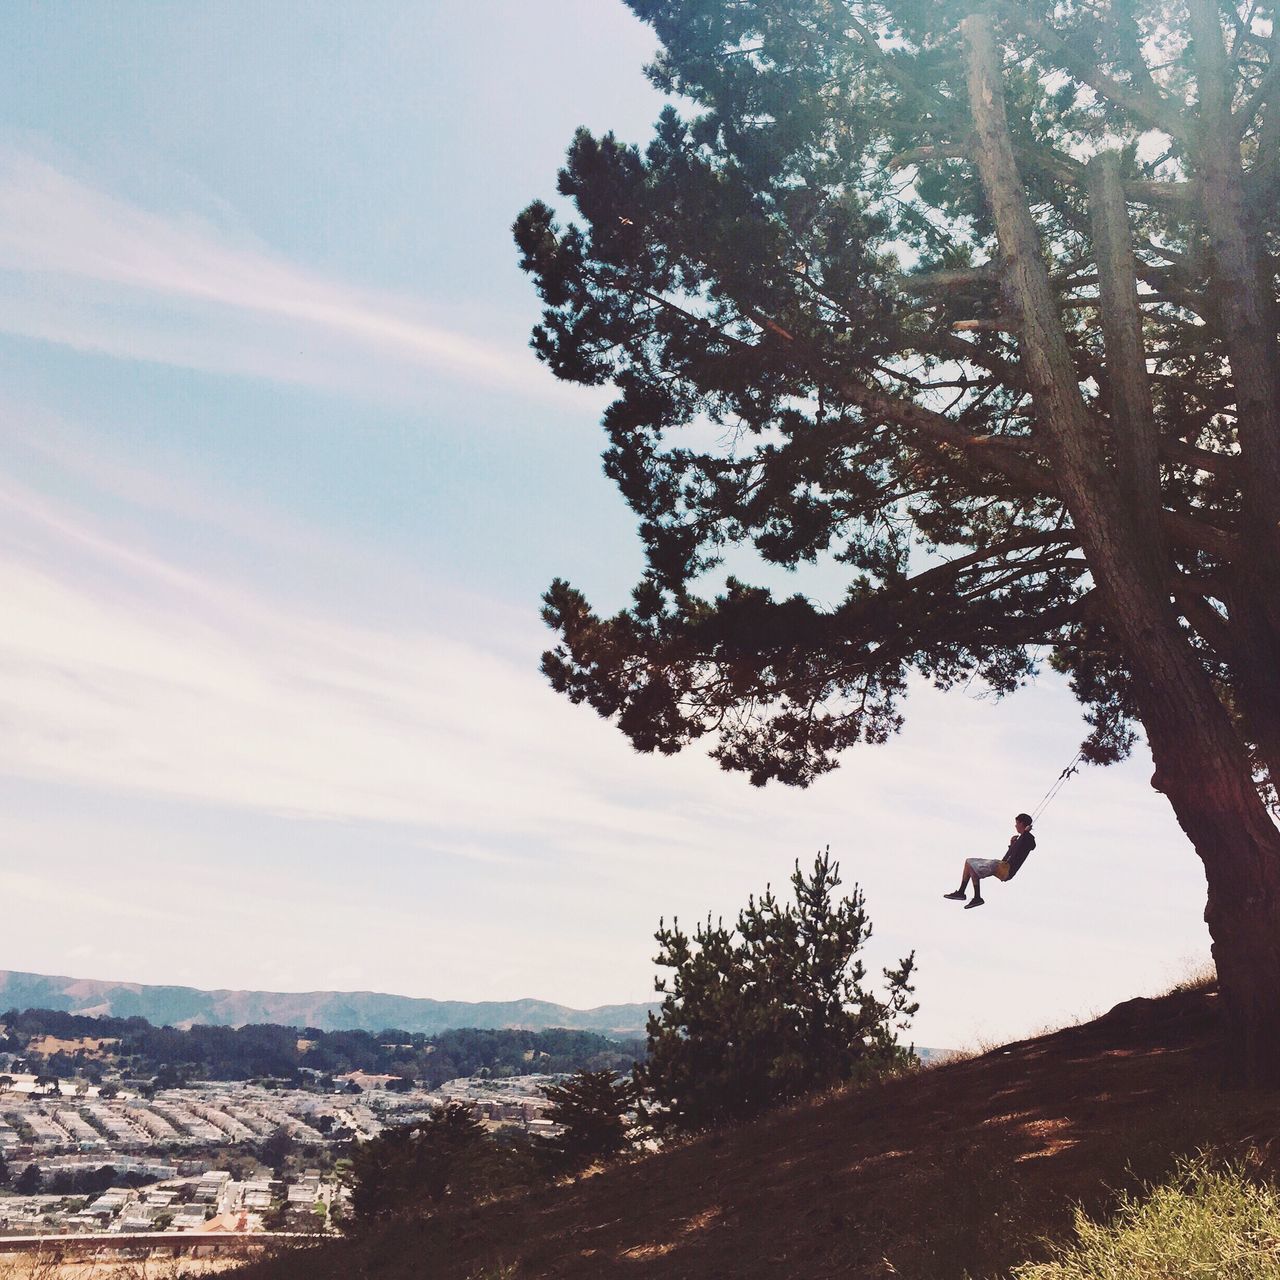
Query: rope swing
(1004, 869)
(1073, 767)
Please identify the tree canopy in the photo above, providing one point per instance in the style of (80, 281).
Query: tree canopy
(976, 301)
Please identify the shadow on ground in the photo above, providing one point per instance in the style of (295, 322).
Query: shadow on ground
(960, 1170)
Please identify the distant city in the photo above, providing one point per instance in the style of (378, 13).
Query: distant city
(114, 1119)
(191, 1159)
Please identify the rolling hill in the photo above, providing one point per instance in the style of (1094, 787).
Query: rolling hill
(328, 1010)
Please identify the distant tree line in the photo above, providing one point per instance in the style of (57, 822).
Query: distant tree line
(267, 1050)
(31, 1180)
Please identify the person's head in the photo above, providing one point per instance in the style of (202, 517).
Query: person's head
(1022, 822)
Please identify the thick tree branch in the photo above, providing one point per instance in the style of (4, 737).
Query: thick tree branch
(991, 453)
(926, 282)
(1205, 620)
(1050, 366)
(1190, 455)
(1197, 535)
(986, 324)
(1054, 164)
(949, 570)
(1267, 92)
(1178, 194)
(1144, 102)
(929, 153)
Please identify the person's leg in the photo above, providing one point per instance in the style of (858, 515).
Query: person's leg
(964, 883)
(977, 899)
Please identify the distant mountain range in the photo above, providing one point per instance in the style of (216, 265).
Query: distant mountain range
(327, 1010)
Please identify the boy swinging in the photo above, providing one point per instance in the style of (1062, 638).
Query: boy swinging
(978, 869)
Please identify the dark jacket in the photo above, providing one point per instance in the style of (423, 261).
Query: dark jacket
(1019, 847)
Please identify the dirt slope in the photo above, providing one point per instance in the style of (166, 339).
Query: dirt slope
(963, 1169)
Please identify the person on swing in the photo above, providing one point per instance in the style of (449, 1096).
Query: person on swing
(978, 869)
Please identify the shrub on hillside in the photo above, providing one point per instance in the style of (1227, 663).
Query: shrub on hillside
(592, 1107)
(771, 1009)
(411, 1170)
(1204, 1221)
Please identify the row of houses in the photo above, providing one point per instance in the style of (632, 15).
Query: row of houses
(212, 1200)
(219, 1113)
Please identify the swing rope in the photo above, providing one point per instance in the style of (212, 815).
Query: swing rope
(1047, 799)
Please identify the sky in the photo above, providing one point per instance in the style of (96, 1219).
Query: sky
(281, 485)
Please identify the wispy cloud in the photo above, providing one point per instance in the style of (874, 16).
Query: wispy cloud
(120, 670)
(124, 670)
(86, 269)
(127, 670)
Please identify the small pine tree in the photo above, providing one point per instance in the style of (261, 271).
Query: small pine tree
(592, 1106)
(771, 1009)
(414, 1166)
(29, 1181)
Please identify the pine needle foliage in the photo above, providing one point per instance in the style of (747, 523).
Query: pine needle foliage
(592, 1107)
(769, 1009)
(411, 1170)
(804, 258)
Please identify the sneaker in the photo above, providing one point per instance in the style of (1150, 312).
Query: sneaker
(977, 902)
(957, 896)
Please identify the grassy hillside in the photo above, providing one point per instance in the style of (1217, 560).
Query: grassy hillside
(966, 1169)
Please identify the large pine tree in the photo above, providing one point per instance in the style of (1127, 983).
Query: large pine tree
(979, 301)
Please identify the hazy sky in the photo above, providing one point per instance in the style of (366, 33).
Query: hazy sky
(280, 487)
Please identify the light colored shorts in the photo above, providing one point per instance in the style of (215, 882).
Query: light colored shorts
(981, 868)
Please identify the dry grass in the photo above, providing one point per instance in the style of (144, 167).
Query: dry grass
(1202, 975)
(91, 1048)
(1206, 1221)
(983, 1046)
(51, 1266)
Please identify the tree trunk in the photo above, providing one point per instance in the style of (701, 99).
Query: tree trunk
(1244, 295)
(1202, 762)
(1264, 178)
(1251, 649)
(1243, 292)
(1132, 416)
(1256, 657)
(1240, 849)
(1204, 772)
